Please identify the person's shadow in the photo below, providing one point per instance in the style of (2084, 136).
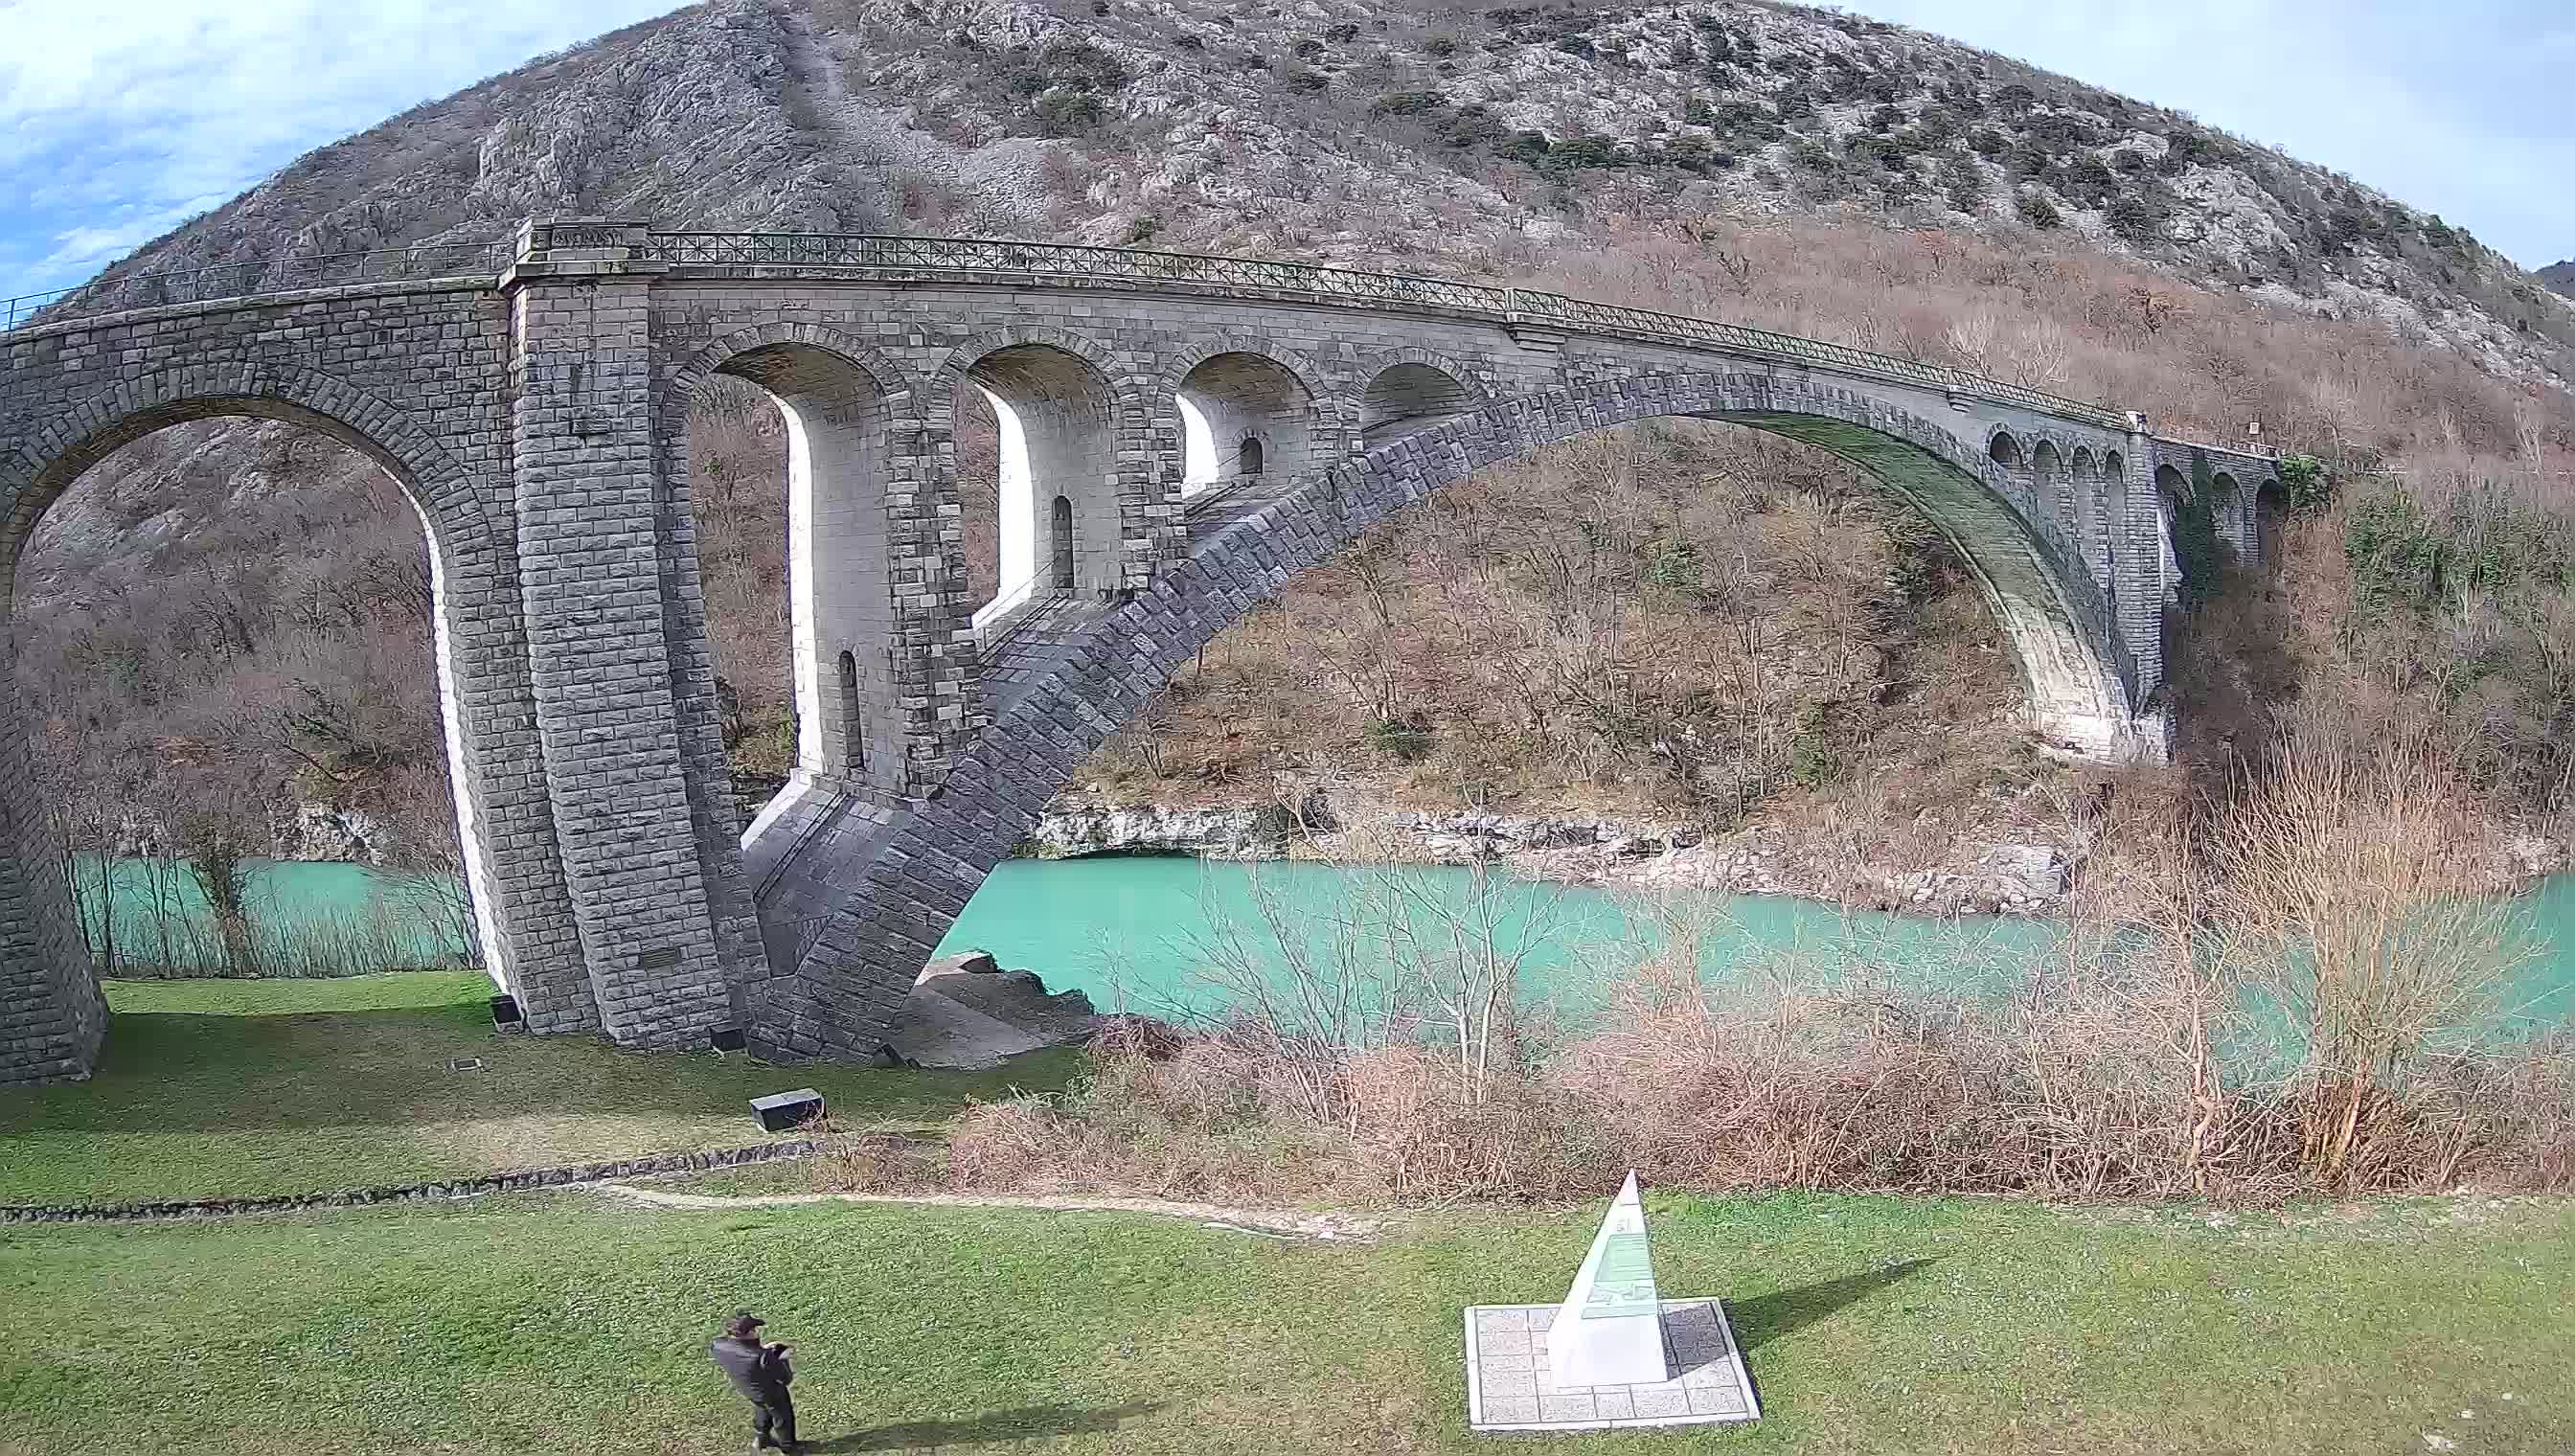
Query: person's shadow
(1028, 1423)
(1758, 1321)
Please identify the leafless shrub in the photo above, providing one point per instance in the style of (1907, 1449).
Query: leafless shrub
(2347, 887)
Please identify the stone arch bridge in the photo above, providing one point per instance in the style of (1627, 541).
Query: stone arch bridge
(1181, 436)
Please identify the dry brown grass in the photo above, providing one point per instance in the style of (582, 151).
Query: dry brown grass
(2298, 999)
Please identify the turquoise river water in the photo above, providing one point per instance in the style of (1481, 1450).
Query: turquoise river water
(1142, 934)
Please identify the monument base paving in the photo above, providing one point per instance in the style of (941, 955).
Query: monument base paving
(1510, 1387)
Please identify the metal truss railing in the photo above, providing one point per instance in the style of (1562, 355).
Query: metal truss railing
(116, 295)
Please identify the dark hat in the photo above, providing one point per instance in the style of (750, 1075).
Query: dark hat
(742, 1323)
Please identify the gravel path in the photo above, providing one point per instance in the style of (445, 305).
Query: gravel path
(1325, 1227)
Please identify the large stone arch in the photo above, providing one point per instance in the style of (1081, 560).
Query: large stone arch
(1000, 783)
(503, 819)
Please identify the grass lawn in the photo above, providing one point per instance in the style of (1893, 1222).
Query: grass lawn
(569, 1323)
(280, 1086)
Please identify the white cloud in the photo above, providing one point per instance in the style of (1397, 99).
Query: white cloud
(117, 123)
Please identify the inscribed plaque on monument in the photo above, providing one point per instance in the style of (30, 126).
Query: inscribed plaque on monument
(1610, 1330)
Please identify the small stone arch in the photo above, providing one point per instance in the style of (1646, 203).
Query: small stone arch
(2051, 487)
(888, 375)
(847, 410)
(1403, 387)
(2270, 522)
(2084, 489)
(1070, 420)
(2226, 504)
(2005, 450)
(2172, 491)
(1308, 373)
(1243, 412)
(1127, 393)
(1239, 405)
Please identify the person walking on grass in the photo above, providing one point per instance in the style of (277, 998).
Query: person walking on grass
(761, 1373)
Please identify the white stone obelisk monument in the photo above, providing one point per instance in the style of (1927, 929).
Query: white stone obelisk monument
(1610, 1329)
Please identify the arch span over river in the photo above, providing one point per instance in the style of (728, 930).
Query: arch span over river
(1180, 436)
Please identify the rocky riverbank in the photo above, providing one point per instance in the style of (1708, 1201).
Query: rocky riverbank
(2001, 871)
(1976, 876)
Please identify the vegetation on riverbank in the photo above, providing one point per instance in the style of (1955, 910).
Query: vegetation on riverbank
(570, 1323)
(223, 1087)
(2321, 1000)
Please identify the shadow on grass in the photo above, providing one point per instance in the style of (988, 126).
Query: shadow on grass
(172, 1071)
(1772, 1316)
(1029, 1423)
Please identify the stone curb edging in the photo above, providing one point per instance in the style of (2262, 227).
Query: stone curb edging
(515, 1181)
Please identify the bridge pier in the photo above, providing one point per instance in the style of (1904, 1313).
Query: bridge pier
(616, 651)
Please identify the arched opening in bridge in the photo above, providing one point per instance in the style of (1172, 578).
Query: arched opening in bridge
(2226, 505)
(1404, 396)
(281, 634)
(788, 468)
(1255, 416)
(1061, 531)
(2004, 451)
(1054, 439)
(2114, 528)
(2048, 485)
(2270, 522)
(2172, 496)
(2083, 485)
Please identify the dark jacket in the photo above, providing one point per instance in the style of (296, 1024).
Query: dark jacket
(759, 1371)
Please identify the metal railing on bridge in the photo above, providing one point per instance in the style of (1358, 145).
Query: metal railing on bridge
(897, 258)
(255, 278)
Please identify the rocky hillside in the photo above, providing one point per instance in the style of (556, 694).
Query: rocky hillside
(1448, 135)
(2559, 276)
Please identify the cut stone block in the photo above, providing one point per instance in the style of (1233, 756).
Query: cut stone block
(1610, 1329)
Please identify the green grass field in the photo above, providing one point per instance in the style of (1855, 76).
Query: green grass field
(279, 1086)
(568, 1323)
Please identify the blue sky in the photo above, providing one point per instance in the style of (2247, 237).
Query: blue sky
(118, 122)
